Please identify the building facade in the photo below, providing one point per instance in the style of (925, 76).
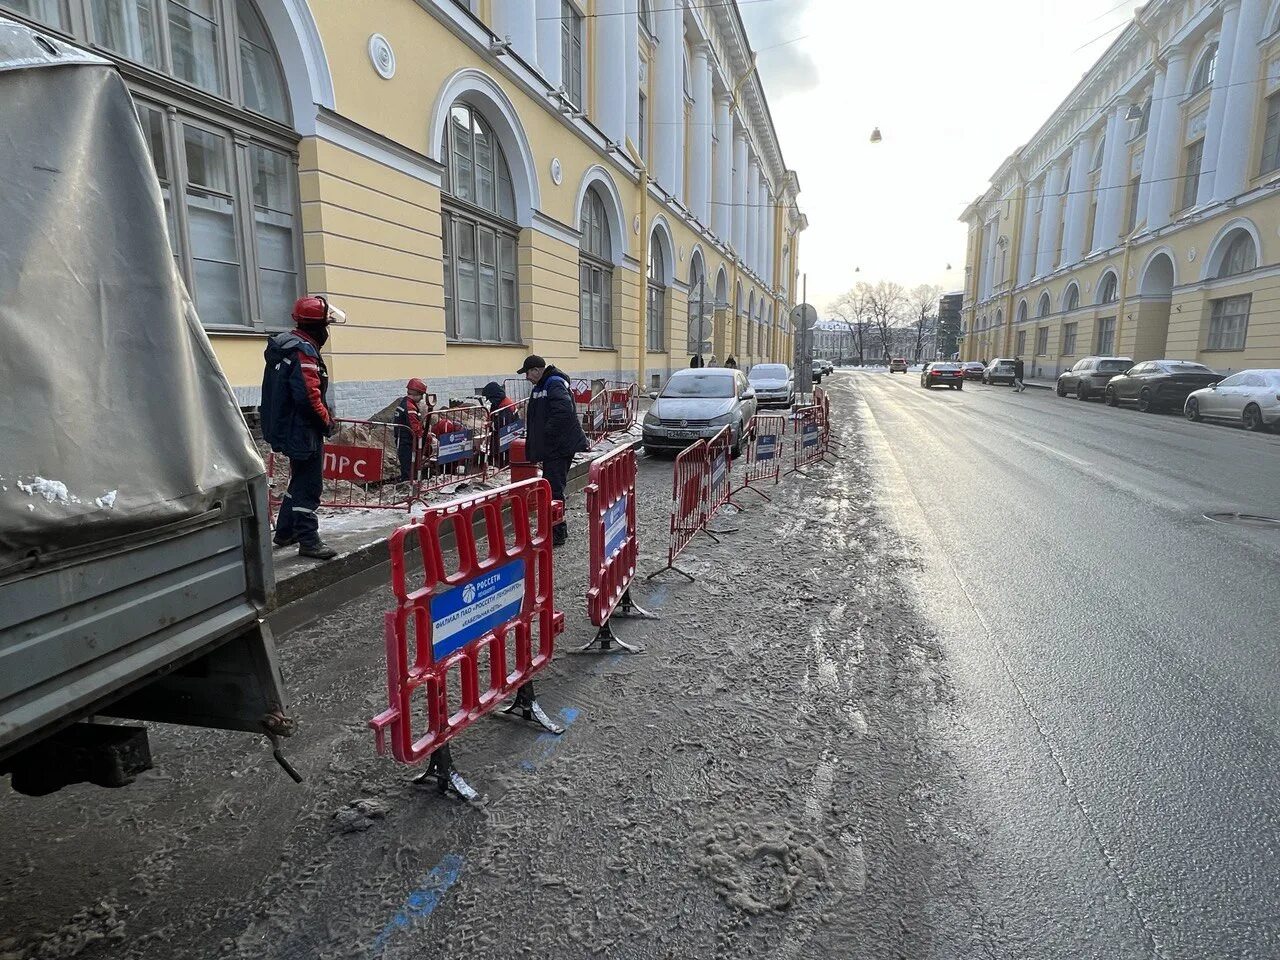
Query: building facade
(1141, 220)
(597, 181)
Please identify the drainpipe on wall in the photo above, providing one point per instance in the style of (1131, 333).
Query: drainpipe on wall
(642, 369)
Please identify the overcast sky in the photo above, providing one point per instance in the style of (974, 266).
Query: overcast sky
(955, 86)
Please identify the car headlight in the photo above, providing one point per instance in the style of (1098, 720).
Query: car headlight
(651, 419)
(721, 421)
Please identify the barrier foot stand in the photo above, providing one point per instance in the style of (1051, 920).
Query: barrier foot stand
(440, 768)
(671, 566)
(631, 610)
(758, 493)
(527, 703)
(606, 638)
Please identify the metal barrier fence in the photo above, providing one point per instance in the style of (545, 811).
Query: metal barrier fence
(614, 546)
(720, 472)
(507, 424)
(487, 619)
(689, 490)
(624, 406)
(456, 445)
(807, 443)
(764, 454)
(361, 469)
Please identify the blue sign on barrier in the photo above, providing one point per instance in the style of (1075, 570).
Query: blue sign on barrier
(766, 447)
(508, 433)
(468, 612)
(455, 446)
(615, 527)
(810, 435)
(717, 472)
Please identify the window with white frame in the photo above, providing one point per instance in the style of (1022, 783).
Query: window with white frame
(226, 163)
(1069, 331)
(700, 308)
(1106, 341)
(657, 305)
(481, 237)
(1206, 70)
(1044, 308)
(1021, 343)
(1241, 256)
(1271, 137)
(1193, 157)
(595, 266)
(1229, 322)
(1131, 215)
(1110, 289)
(571, 52)
(1073, 299)
(1022, 312)
(1042, 341)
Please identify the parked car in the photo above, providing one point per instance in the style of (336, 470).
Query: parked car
(696, 404)
(774, 384)
(898, 365)
(1090, 376)
(1159, 384)
(973, 369)
(827, 368)
(1251, 397)
(999, 371)
(942, 375)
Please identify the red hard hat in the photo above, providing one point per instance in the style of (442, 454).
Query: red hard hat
(416, 384)
(316, 310)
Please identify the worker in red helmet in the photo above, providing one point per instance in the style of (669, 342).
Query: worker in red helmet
(296, 418)
(408, 420)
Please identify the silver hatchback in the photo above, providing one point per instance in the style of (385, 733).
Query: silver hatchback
(1250, 397)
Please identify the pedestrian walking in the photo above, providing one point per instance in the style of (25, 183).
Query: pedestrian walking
(712, 361)
(296, 419)
(409, 427)
(553, 432)
(731, 363)
(1018, 370)
(695, 362)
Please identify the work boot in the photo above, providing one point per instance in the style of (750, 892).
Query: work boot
(279, 542)
(560, 535)
(317, 551)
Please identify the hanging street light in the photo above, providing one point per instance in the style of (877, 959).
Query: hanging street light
(875, 135)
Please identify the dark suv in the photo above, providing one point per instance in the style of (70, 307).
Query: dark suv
(1090, 376)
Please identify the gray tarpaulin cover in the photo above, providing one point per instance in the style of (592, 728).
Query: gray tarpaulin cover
(115, 417)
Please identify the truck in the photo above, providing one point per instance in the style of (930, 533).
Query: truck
(135, 563)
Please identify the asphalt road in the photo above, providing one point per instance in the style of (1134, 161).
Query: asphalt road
(1114, 657)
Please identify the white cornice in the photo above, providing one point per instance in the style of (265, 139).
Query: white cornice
(360, 140)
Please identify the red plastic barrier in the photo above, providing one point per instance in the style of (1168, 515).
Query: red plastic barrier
(611, 515)
(689, 491)
(764, 454)
(491, 621)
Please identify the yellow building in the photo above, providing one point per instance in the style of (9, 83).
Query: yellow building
(1141, 220)
(597, 181)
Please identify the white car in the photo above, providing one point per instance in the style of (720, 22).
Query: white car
(774, 384)
(1251, 397)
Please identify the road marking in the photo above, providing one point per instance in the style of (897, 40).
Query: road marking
(1059, 453)
(422, 902)
(549, 741)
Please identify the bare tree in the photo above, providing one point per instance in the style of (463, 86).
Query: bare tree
(853, 310)
(923, 304)
(887, 303)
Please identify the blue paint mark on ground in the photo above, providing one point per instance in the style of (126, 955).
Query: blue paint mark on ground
(546, 743)
(421, 902)
(658, 597)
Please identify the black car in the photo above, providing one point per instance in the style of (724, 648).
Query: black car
(943, 375)
(1090, 376)
(1159, 384)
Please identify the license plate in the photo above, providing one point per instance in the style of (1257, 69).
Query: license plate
(682, 434)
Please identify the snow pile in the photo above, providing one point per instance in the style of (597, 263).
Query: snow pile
(51, 490)
(107, 500)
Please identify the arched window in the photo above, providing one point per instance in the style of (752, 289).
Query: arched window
(1022, 312)
(657, 306)
(1108, 293)
(700, 308)
(1144, 122)
(595, 299)
(1072, 301)
(228, 176)
(480, 234)
(1241, 256)
(1043, 309)
(1206, 70)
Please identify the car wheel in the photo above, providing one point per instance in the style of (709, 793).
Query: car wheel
(959, 386)
(652, 452)
(1145, 403)
(1192, 410)
(1253, 419)
(736, 451)
(1061, 390)
(1081, 392)
(1109, 398)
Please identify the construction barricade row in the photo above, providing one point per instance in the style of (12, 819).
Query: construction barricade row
(477, 629)
(614, 546)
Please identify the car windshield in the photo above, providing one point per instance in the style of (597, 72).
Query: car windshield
(1181, 366)
(769, 371)
(708, 386)
(1114, 366)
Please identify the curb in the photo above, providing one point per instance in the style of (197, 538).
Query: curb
(311, 580)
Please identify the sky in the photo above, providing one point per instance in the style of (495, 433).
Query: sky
(955, 86)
